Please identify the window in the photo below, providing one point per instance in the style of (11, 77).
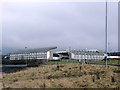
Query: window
(55, 55)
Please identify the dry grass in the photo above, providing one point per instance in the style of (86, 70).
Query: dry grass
(63, 76)
(1, 81)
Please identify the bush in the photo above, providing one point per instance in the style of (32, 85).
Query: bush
(14, 62)
(18, 62)
(32, 62)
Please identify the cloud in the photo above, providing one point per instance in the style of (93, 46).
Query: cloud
(75, 25)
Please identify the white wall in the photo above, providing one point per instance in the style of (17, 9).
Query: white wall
(89, 57)
(113, 57)
(50, 54)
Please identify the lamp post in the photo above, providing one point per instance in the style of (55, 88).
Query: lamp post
(106, 35)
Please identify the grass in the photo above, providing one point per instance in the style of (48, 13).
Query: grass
(0, 77)
(109, 62)
(59, 62)
(98, 62)
(63, 76)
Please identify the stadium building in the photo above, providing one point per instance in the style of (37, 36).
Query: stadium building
(30, 54)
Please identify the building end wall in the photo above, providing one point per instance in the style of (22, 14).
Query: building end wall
(50, 54)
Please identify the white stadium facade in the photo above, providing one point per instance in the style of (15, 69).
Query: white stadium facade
(52, 54)
(30, 54)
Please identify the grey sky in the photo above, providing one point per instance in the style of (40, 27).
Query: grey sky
(76, 25)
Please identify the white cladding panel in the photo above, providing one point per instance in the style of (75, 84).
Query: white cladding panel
(88, 56)
(56, 58)
(113, 57)
(40, 55)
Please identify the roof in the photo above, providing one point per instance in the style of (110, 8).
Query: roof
(45, 49)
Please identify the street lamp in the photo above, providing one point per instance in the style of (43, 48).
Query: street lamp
(106, 34)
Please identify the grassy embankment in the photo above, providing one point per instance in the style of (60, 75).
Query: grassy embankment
(64, 76)
(109, 62)
(98, 62)
(0, 73)
(60, 62)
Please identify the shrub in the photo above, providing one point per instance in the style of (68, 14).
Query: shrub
(14, 62)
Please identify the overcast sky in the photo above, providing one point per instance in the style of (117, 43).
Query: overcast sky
(65, 25)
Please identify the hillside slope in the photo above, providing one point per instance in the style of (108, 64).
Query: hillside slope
(63, 76)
